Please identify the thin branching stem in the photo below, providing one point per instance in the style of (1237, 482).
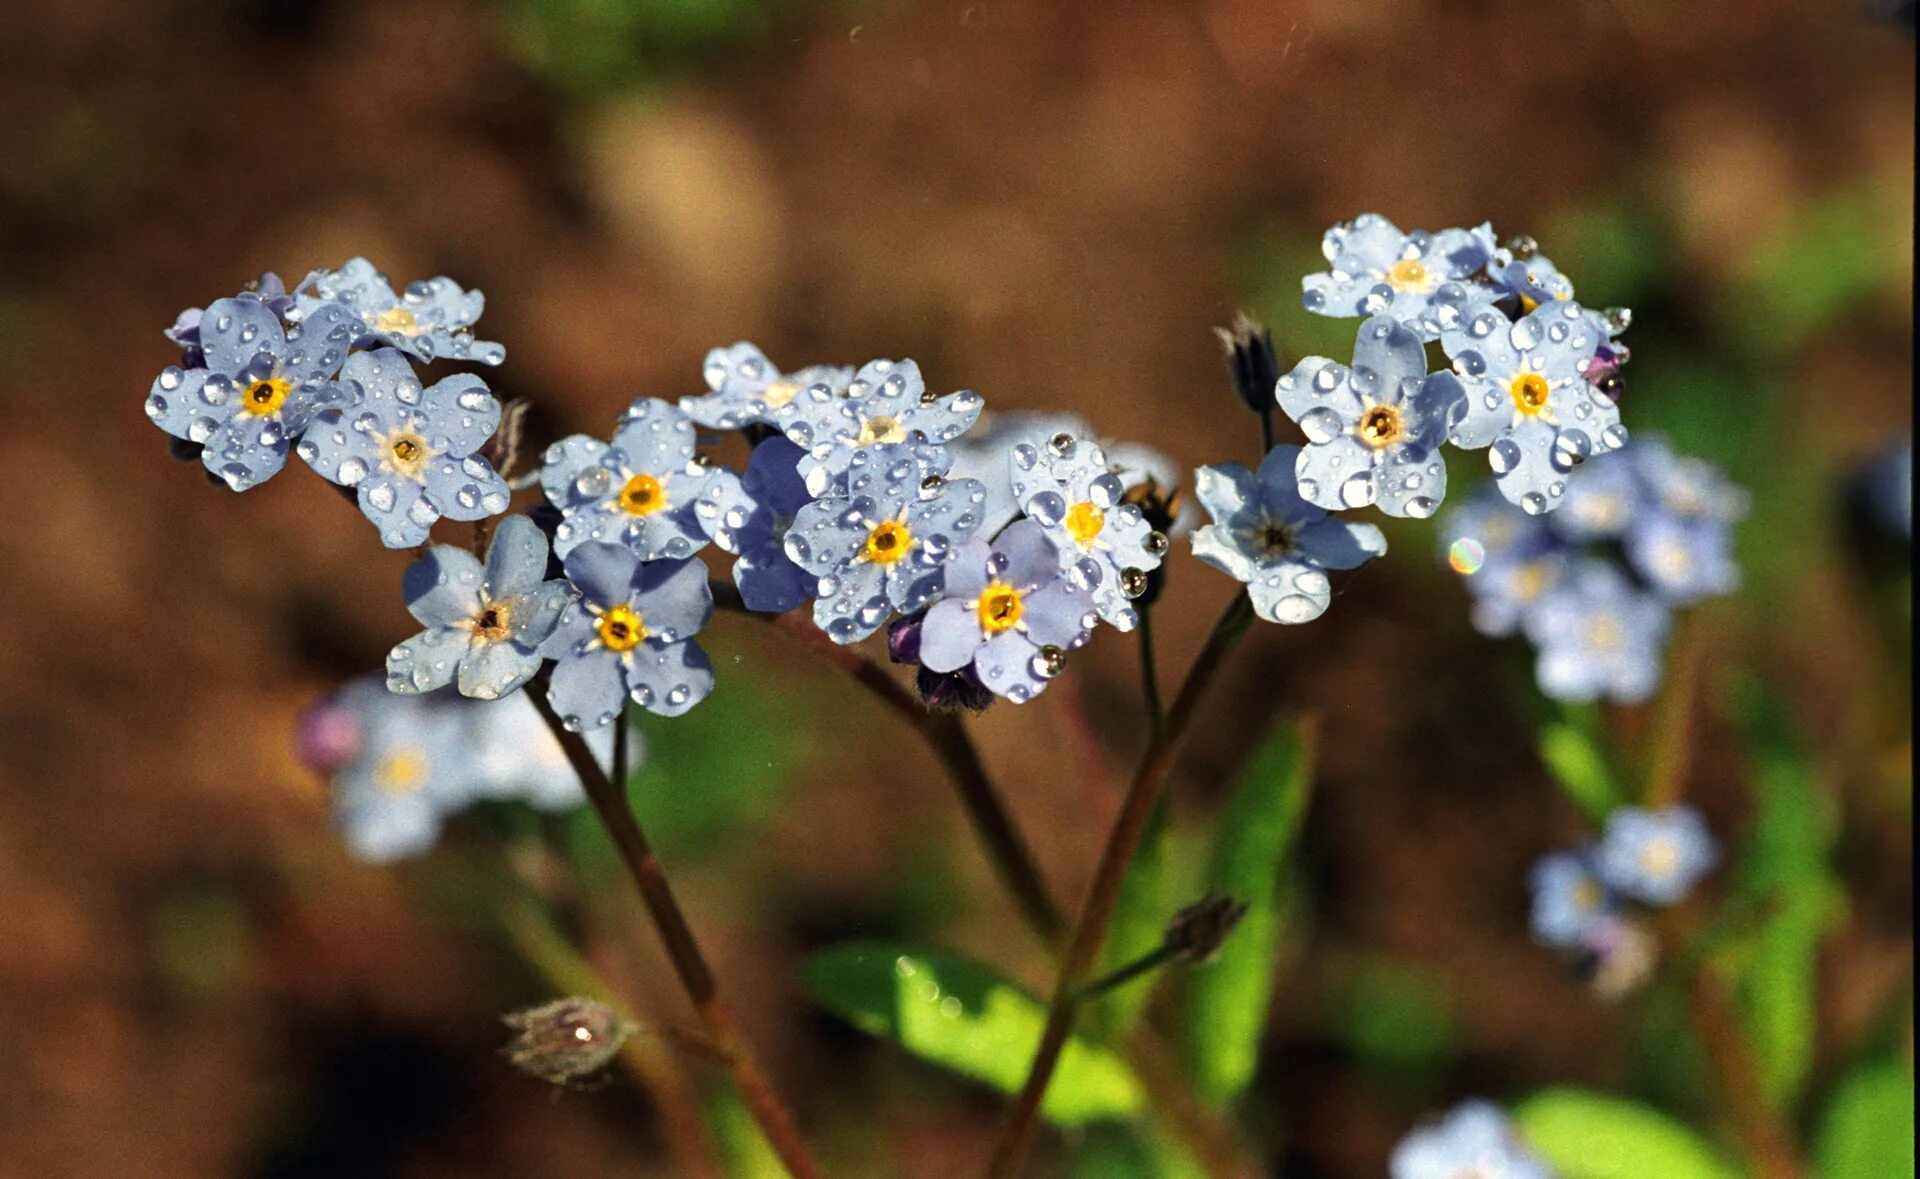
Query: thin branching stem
(1150, 673)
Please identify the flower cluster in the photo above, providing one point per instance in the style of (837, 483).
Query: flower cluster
(1650, 858)
(1535, 376)
(1642, 532)
(397, 766)
(1474, 1139)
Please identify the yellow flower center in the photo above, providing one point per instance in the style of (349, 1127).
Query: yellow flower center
(407, 453)
(1587, 896)
(1529, 392)
(1530, 579)
(1408, 275)
(265, 395)
(778, 394)
(888, 542)
(621, 628)
(397, 321)
(881, 429)
(494, 623)
(401, 771)
(1084, 522)
(1380, 426)
(1660, 857)
(1604, 633)
(999, 608)
(642, 496)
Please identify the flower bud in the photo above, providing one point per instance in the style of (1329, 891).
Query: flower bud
(1251, 362)
(565, 1041)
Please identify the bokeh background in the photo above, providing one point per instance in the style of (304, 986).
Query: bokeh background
(1050, 202)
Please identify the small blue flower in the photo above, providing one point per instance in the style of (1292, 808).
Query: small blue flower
(629, 637)
(1476, 1140)
(1688, 487)
(1280, 545)
(1687, 561)
(1603, 496)
(985, 454)
(1374, 429)
(1106, 546)
(1568, 896)
(1533, 280)
(1656, 857)
(746, 388)
(409, 767)
(515, 755)
(1529, 400)
(432, 320)
(1378, 270)
(411, 453)
(1009, 614)
(484, 625)
(261, 386)
(749, 514)
(185, 332)
(882, 543)
(885, 404)
(1597, 636)
(640, 491)
(1509, 559)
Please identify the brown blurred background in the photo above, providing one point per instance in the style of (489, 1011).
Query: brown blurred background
(1052, 203)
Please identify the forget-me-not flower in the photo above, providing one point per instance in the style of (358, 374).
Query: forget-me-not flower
(409, 452)
(1476, 1140)
(1106, 547)
(185, 329)
(745, 388)
(1508, 558)
(484, 624)
(1375, 269)
(639, 491)
(887, 403)
(410, 765)
(1265, 535)
(748, 514)
(1597, 636)
(1530, 277)
(515, 755)
(985, 453)
(261, 385)
(1009, 613)
(1603, 496)
(1656, 856)
(629, 637)
(1568, 896)
(882, 543)
(1375, 429)
(1528, 398)
(432, 319)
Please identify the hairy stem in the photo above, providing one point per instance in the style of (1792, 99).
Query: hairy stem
(609, 801)
(1016, 1135)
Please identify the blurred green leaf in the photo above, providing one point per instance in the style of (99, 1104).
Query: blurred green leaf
(1612, 245)
(1128, 1152)
(1227, 998)
(200, 943)
(1868, 1129)
(1829, 256)
(1586, 1135)
(744, 1150)
(965, 1017)
(1580, 769)
(1397, 1018)
(1139, 923)
(596, 46)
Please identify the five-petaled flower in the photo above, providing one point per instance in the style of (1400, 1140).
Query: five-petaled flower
(484, 624)
(887, 403)
(748, 515)
(408, 764)
(640, 491)
(409, 452)
(1568, 896)
(1106, 546)
(1656, 856)
(1265, 535)
(1598, 636)
(1008, 613)
(432, 319)
(1375, 429)
(629, 637)
(1375, 269)
(745, 389)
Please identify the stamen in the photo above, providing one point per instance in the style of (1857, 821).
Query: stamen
(1083, 523)
(1408, 275)
(1380, 426)
(999, 608)
(880, 429)
(888, 542)
(265, 396)
(494, 623)
(776, 395)
(642, 496)
(397, 321)
(401, 771)
(1529, 392)
(407, 453)
(621, 628)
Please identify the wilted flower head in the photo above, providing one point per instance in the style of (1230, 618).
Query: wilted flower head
(484, 624)
(1656, 857)
(628, 636)
(432, 320)
(744, 387)
(1618, 954)
(410, 453)
(1106, 546)
(566, 1041)
(1378, 270)
(1008, 612)
(640, 491)
(1265, 535)
(1375, 429)
(886, 404)
(1476, 1140)
(748, 515)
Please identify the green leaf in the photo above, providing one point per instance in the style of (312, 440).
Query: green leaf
(744, 1149)
(1139, 923)
(1227, 998)
(1581, 770)
(1128, 1152)
(965, 1017)
(1586, 1135)
(1868, 1130)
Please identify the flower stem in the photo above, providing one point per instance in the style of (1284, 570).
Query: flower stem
(1017, 1133)
(696, 978)
(1150, 674)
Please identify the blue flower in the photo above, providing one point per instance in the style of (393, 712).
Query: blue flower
(1597, 636)
(411, 453)
(484, 625)
(1685, 560)
(885, 404)
(261, 386)
(1529, 400)
(1533, 279)
(1656, 856)
(409, 766)
(985, 454)
(749, 515)
(1008, 614)
(1105, 546)
(1688, 487)
(882, 543)
(1374, 429)
(432, 320)
(1508, 558)
(1378, 270)
(515, 755)
(628, 636)
(185, 332)
(1568, 896)
(1476, 1140)
(1603, 496)
(746, 388)
(640, 491)
(1280, 545)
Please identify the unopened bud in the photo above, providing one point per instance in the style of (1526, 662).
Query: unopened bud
(566, 1041)
(1197, 932)
(1251, 362)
